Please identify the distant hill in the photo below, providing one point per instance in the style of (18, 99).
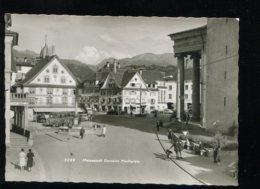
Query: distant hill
(31, 55)
(26, 53)
(146, 59)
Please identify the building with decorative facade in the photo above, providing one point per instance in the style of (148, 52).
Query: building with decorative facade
(214, 51)
(120, 90)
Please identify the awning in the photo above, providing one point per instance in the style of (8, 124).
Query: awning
(50, 109)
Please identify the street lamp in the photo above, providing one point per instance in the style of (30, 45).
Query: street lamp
(140, 100)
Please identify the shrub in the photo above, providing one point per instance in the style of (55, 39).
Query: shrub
(230, 146)
(232, 131)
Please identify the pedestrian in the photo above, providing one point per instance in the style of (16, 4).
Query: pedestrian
(187, 118)
(30, 161)
(104, 130)
(179, 148)
(131, 114)
(157, 126)
(161, 123)
(170, 134)
(155, 113)
(215, 152)
(82, 132)
(22, 159)
(218, 155)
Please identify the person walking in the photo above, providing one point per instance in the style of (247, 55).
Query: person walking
(82, 132)
(179, 148)
(104, 130)
(157, 126)
(170, 134)
(187, 118)
(218, 155)
(22, 159)
(215, 152)
(30, 160)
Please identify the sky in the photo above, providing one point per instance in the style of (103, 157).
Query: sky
(91, 39)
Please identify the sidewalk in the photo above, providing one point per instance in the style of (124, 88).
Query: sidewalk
(12, 172)
(203, 167)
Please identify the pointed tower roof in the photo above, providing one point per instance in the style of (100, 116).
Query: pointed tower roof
(44, 51)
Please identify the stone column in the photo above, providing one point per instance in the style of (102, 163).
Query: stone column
(196, 87)
(8, 71)
(25, 117)
(180, 86)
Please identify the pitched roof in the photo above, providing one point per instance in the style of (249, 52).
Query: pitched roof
(35, 70)
(128, 75)
(118, 77)
(39, 66)
(150, 76)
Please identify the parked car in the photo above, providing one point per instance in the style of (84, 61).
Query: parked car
(168, 111)
(41, 118)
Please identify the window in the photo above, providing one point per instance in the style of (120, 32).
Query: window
(49, 100)
(38, 79)
(64, 100)
(127, 101)
(46, 79)
(224, 101)
(49, 90)
(133, 100)
(153, 85)
(70, 81)
(186, 87)
(170, 96)
(47, 70)
(63, 80)
(170, 87)
(186, 96)
(149, 85)
(225, 75)
(65, 91)
(32, 90)
(55, 69)
(152, 101)
(132, 84)
(133, 93)
(62, 71)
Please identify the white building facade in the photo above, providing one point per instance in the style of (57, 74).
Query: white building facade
(51, 87)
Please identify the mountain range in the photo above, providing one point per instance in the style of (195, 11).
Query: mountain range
(146, 59)
(162, 62)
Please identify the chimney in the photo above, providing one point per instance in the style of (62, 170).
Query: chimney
(25, 59)
(115, 65)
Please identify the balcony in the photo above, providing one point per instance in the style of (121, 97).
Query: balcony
(19, 99)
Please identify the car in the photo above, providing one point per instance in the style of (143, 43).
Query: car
(41, 118)
(168, 111)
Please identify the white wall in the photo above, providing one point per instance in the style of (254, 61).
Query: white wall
(55, 78)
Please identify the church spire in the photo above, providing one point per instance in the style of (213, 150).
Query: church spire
(45, 39)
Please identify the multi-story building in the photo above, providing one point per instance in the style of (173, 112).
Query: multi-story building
(23, 65)
(51, 87)
(11, 39)
(213, 49)
(170, 97)
(187, 95)
(124, 90)
(155, 83)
